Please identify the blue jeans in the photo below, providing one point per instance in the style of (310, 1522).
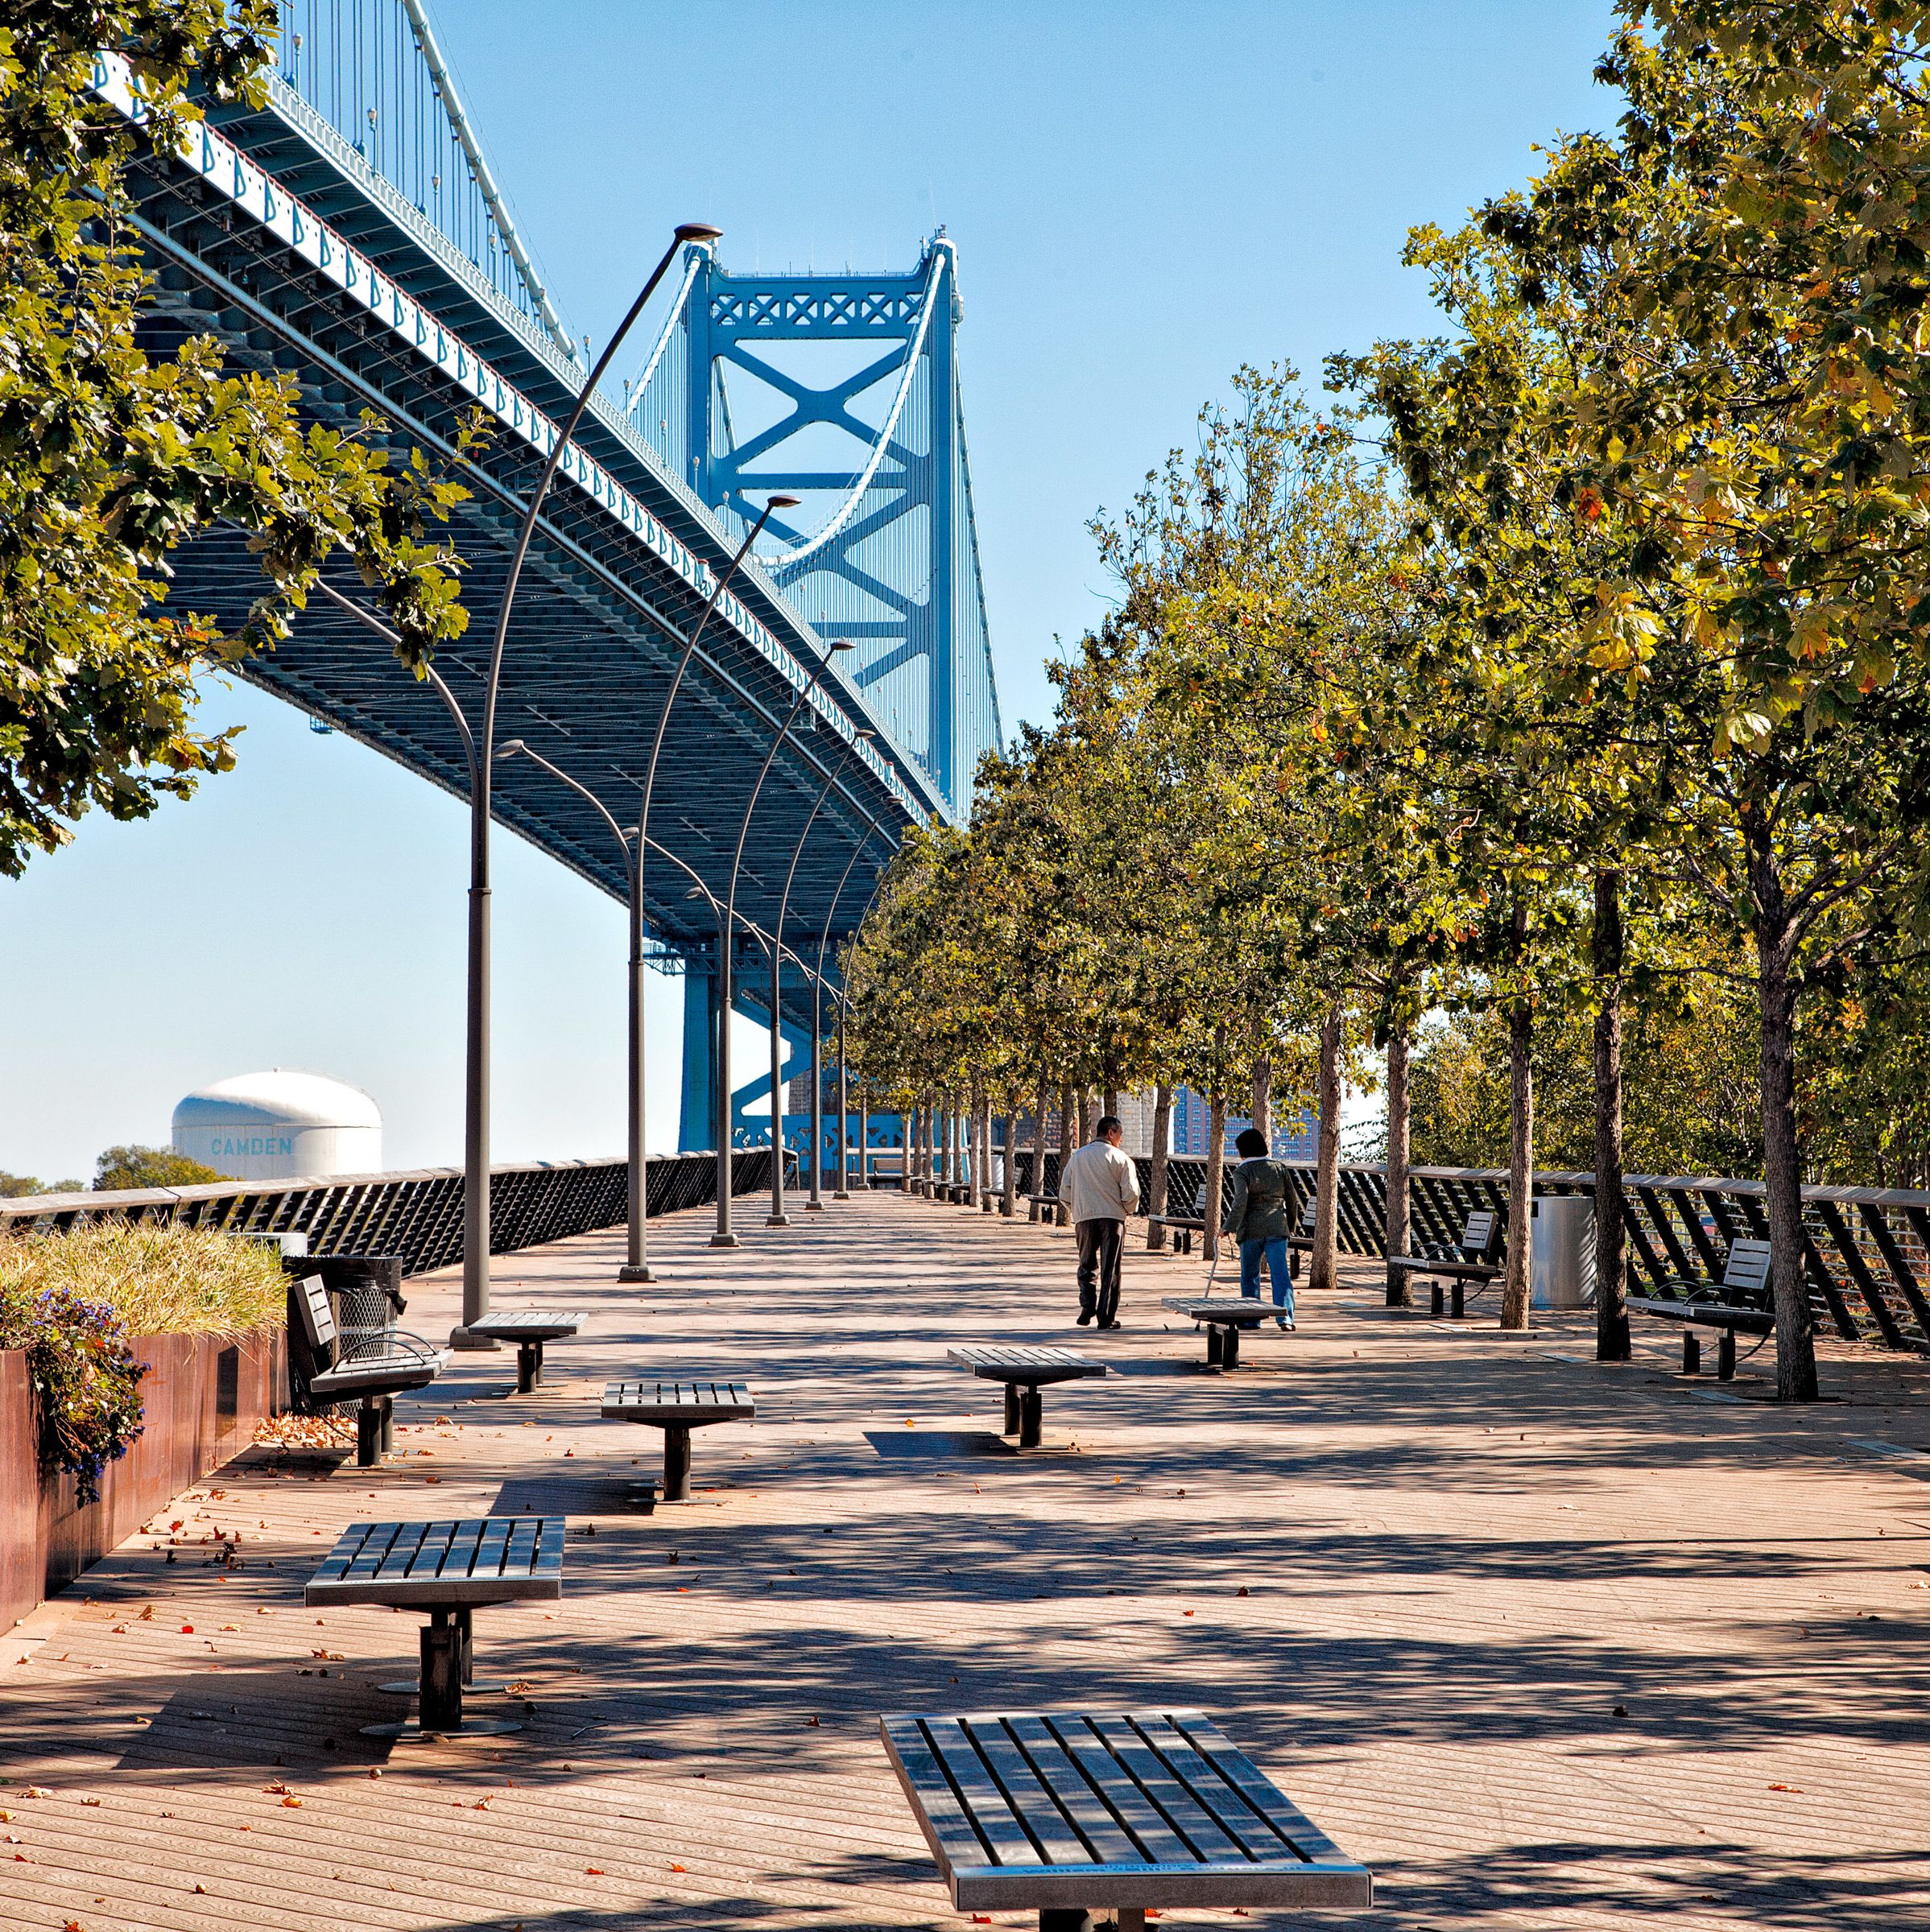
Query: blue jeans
(1274, 1247)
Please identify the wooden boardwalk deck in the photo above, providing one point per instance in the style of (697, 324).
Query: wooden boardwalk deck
(1544, 1644)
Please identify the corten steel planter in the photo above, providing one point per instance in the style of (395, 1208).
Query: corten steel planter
(201, 1399)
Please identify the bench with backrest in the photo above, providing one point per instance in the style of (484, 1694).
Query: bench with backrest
(1302, 1242)
(677, 1408)
(1042, 1208)
(373, 1365)
(1024, 1371)
(529, 1328)
(1224, 1318)
(1740, 1301)
(450, 1570)
(1070, 1813)
(1469, 1261)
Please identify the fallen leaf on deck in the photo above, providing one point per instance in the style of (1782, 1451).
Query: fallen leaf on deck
(188, 1629)
(35, 1791)
(94, 1801)
(676, 1867)
(592, 1871)
(1796, 1789)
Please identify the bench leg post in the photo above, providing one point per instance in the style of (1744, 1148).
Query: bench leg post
(1063, 1918)
(1230, 1349)
(1434, 1298)
(1031, 1419)
(1130, 1918)
(676, 1464)
(388, 1424)
(1691, 1352)
(1011, 1409)
(1725, 1356)
(465, 1646)
(529, 1366)
(1460, 1298)
(439, 1707)
(1213, 1345)
(368, 1433)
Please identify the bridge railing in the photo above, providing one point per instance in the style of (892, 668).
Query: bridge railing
(1866, 1249)
(417, 1215)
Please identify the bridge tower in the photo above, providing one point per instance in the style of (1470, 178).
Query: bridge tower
(844, 389)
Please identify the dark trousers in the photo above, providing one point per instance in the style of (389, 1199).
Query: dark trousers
(1099, 1245)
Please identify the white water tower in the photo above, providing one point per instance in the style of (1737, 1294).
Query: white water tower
(281, 1126)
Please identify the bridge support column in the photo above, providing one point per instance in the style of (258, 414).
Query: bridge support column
(696, 1124)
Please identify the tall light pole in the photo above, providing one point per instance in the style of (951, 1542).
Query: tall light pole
(817, 1028)
(475, 1094)
(727, 955)
(636, 1266)
(777, 1217)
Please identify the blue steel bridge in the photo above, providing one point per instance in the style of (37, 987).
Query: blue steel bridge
(351, 233)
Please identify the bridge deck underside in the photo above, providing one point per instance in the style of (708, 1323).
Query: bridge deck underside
(600, 620)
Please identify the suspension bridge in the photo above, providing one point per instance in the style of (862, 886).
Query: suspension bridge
(350, 232)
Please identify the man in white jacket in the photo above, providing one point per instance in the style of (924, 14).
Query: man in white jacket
(1099, 1188)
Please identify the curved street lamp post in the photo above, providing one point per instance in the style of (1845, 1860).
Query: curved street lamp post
(724, 1238)
(476, 1098)
(777, 1217)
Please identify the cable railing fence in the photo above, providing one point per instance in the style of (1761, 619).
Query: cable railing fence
(417, 1215)
(1866, 1249)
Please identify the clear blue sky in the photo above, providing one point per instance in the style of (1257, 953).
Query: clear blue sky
(1142, 197)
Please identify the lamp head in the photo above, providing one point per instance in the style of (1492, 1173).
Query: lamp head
(630, 832)
(698, 231)
(842, 644)
(782, 502)
(510, 747)
(863, 735)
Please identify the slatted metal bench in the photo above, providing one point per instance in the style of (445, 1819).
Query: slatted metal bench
(677, 1408)
(1740, 1301)
(1184, 1226)
(375, 1364)
(1024, 1371)
(1468, 1262)
(1302, 1243)
(450, 1568)
(1042, 1208)
(1224, 1318)
(1067, 1813)
(529, 1328)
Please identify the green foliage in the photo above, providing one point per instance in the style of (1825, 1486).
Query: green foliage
(13, 1187)
(111, 458)
(134, 1167)
(86, 1383)
(154, 1278)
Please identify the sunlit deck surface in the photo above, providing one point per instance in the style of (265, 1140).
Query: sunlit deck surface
(1542, 1644)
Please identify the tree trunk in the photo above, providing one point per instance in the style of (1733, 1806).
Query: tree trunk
(1008, 1194)
(1212, 1201)
(1045, 1101)
(1082, 1105)
(1323, 1268)
(1262, 1097)
(1156, 1189)
(1066, 1129)
(984, 1151)
(974, 1149)
(1782, 1161)
(1611, 1206)
(1516, 1280)
(1400, 1286)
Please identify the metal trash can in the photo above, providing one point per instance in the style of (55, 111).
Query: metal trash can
(1562, 1255)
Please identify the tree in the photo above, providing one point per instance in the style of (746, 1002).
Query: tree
(134, 1166)
(111, 457)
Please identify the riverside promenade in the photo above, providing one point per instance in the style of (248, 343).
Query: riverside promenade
(1543, 1643)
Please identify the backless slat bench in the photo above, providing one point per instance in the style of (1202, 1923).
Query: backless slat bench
(1472, 1265)
(1742, 1301)
(529, 1328)
(1024, 1371)
(677, 1408)
(1223, 1317)
(1070, 1813)
(376, 1365)
(449, 1569)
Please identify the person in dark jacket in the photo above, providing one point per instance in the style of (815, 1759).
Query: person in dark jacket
(1260, 1218)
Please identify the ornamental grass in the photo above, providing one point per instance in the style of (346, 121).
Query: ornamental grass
(157, 1280)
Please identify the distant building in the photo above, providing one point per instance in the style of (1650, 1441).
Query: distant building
(280, 1125)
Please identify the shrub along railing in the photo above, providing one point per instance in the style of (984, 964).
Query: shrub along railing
(417, 1215)
(1867, 1249)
